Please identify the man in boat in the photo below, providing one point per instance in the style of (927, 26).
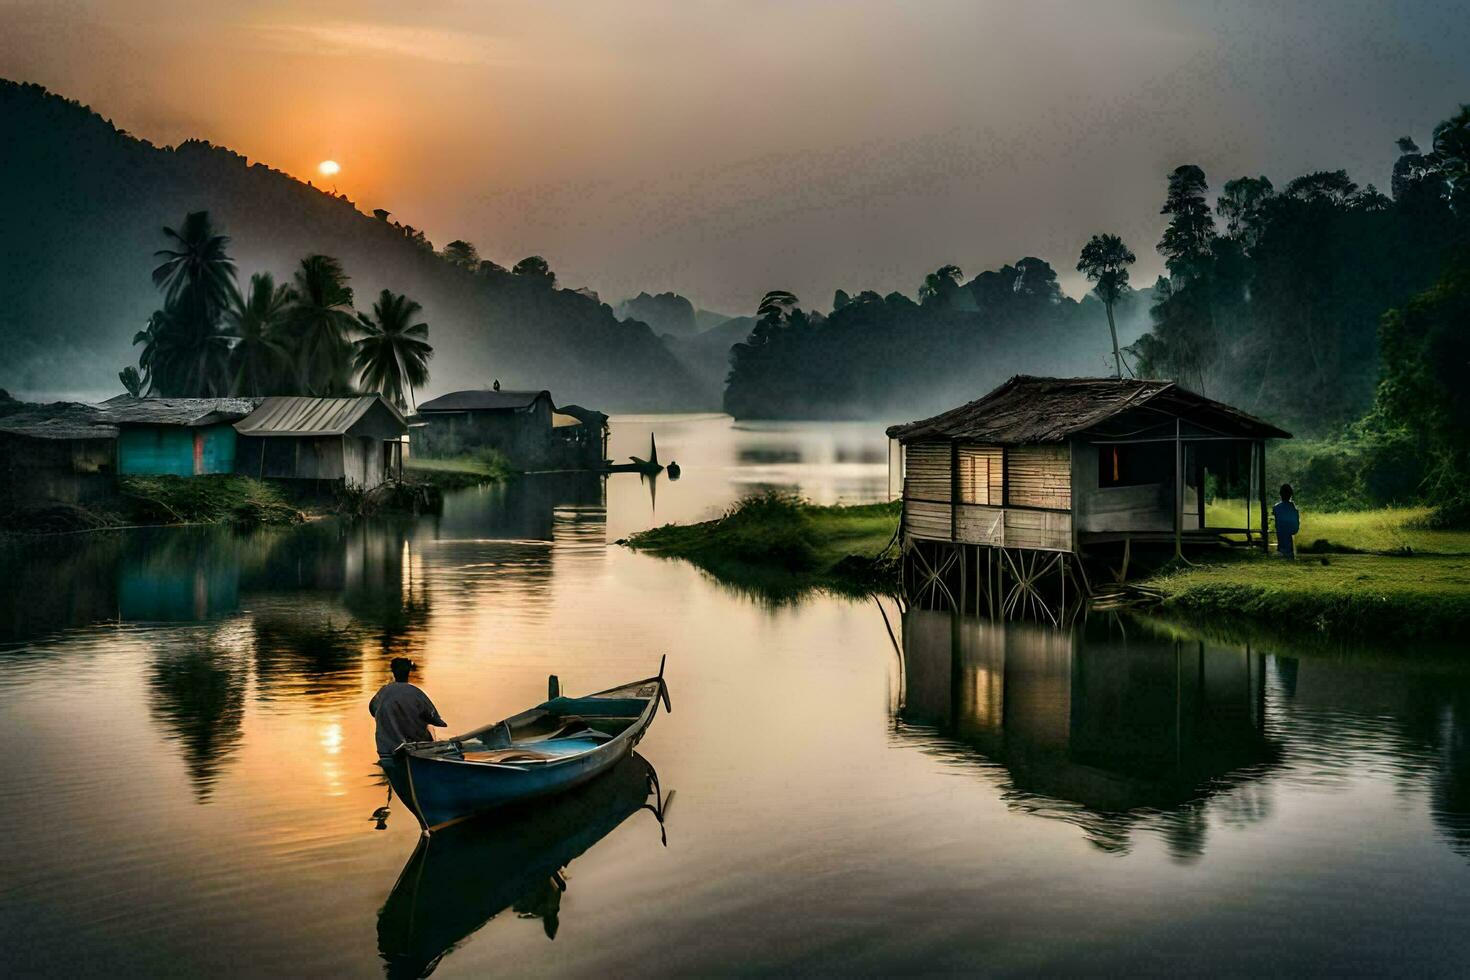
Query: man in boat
(404, 712)
(1288, 523)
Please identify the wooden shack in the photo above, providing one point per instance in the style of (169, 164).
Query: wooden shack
(176, 436)
(524, 426)
(63, 453)
(1068, 466)
(356, 441)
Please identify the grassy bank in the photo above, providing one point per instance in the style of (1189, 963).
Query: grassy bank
(779, 546)
(455, 472)
(1340, 596)
(1384, 530)
(220, 499)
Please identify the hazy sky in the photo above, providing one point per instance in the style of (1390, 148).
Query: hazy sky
(724, 148)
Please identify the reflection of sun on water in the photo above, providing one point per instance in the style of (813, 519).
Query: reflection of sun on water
(331, 743)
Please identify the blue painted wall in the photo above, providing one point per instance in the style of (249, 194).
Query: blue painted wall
(169, 450)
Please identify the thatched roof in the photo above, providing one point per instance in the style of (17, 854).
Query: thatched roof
(177, 411)
(59, 420)
(482, 400)
(1034, 410)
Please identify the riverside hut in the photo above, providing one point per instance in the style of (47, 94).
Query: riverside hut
(176, 436)
(524, 426)
(1042, 472)
(62, 453)
(356, 441)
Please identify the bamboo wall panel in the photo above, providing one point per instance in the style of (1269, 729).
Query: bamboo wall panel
(980, 477)
(980, 525)
(927, 471)
(926, 520)
(1039, 476)
(1038, 529)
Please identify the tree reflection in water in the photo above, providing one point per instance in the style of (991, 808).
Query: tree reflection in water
(198, 697)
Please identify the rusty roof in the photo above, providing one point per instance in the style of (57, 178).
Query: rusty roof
(301, 415)
(1033, 410)
(177, 411)
(482, 400)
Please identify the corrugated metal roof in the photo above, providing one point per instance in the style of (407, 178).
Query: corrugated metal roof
(177, 411)
(300, 415)
(482, 400)
(1033, 410)
(61, 420)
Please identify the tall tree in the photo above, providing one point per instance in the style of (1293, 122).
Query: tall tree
(1105, 261)
(260, 363)
(320, 320)
(1452, 156)
(462, 253)
(184, 353)
(1241, 204)
(195, 270)
(1186, 242)
(393, 353)
(536, 269)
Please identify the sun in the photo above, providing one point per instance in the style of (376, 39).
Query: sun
(329, 168)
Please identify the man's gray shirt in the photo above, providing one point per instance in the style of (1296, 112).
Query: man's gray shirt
(404, 714)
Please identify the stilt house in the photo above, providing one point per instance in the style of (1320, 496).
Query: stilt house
(1017, 487)
(1057, 464)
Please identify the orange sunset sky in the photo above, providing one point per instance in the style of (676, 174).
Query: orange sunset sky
(723, 148)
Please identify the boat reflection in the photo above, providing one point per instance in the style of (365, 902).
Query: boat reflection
(1105, 732)
(465, 875)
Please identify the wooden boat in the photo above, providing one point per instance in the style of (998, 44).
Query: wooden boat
(548, 749)
(460, 878)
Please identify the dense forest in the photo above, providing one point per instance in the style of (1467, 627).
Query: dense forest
(1273, 302)
(84, 205)
(890, 356)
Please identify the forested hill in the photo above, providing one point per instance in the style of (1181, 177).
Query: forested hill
(82, 206)
(890, 357)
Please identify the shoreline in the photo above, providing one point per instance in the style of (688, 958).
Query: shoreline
(779, 547)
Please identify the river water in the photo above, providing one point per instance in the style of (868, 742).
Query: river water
(189, 784)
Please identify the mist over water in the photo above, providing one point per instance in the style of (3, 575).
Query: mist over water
(197, 785)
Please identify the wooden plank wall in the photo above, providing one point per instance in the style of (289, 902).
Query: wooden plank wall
(1039, 476)
(981, 479)
(980, 525)
(1044, 530)
(926, 471)
(926, 520)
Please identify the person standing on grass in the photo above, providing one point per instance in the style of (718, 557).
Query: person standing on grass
(403, 712)
(1288, 523)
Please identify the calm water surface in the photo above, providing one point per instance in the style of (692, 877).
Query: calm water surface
(190, 781)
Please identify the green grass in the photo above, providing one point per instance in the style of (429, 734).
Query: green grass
(778, 546)
(453, 472)
(217, 499)
(1423, 597)
(1384, 530)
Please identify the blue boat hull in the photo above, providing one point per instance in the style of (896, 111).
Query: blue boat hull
(443, 784)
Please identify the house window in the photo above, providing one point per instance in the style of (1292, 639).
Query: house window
(1132, 466)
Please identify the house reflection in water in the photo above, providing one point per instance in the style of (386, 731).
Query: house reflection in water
(1104, 732)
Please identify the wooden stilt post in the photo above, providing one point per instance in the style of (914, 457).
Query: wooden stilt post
(1178, 492)
(1261, 468)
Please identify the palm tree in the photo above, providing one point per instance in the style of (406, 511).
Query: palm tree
(394, 351)
(182, 356)
(1105, 261)
(260, 363)
(183, 351)
(320, 319)
(196, 272)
